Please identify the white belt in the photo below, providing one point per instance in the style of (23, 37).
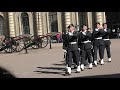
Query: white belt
(73, 42)
(99, 38)
(86, 41)
(106, 39)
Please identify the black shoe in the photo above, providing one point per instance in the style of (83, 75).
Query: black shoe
(77, 71)
(82, 69)
(109, 61)
(94, 65)
(67, 73)
(75, 67)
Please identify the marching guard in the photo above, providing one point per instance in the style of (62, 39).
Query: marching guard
(98, 44)
(72, 49)
(85, 45)
(107, 41)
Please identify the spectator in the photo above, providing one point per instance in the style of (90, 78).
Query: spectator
(58, 35)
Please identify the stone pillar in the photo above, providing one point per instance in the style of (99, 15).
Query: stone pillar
(48, 22)
(35, 23)
(104, 18)
(77, 18)
(39, 23)
(59, 19)
(11, 24)
(73, 18)
(89, 15)
(67, 19)
(100, 17)
(44, 22)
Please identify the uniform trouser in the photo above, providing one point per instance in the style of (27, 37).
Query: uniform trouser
(107, 46)
(66, 58)
(92, 54)
(92, 51)
(74, 61)
(72, 54)
(74, 58)
(84, 54)
(101, 52)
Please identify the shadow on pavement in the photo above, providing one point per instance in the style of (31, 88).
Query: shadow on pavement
(5, 73)
(49, 72)
(53, 68)
(102, 76)
(45, 70)
(60, 64)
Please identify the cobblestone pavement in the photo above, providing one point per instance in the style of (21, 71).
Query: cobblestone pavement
(49, 63)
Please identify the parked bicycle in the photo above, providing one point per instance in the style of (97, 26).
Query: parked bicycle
(34, 42)
(18, 43)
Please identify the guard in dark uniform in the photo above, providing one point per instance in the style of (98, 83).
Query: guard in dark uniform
(72, 48)
(90, 30)
(98, 44)
(64, 44)
(92, 51)
(64, 37)
(107, 41)
(85, 40)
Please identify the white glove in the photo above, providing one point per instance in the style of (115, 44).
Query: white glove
(84, 33)
(91, 46)
(70, 34)
(64, 51)
(79, 49)
(96, 29)
(105, 30)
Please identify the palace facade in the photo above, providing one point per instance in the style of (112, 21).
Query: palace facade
(40, 23)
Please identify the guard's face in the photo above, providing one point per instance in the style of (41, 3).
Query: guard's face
(105, 25)
(98, 25)
(84, 27)
(72, 28)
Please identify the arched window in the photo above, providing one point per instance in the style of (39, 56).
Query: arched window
(25, 23)
(1, 25)
(53, 21)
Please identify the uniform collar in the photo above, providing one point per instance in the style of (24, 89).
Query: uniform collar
(96, 29)
(84, 31)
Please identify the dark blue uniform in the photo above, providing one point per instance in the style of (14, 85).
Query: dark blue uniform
(98, 43)
(85, 45)
(107, 42)
(72, 48)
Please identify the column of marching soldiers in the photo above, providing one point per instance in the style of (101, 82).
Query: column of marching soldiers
(83, 45)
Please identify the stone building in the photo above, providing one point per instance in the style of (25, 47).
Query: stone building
(40, 23)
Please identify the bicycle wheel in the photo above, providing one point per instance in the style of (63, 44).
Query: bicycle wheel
(19, 45)
(9, 45)
(44, 41)
(35, 40)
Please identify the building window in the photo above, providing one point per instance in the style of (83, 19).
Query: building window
(82, 18)
(53, 21)
(25, 23)
(1, 25)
